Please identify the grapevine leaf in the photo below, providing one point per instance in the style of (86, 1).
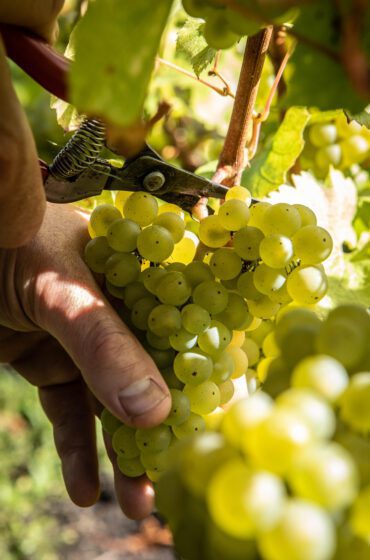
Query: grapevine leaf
(208, 169)
(362, 118)
(362, 218)
(325, 116)
(116, 44)
(192, 45)
(317, 78)
(269, 168)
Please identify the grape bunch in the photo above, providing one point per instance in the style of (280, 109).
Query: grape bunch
(285, 477)
(192, 316)
(335, 143)
(224, 25)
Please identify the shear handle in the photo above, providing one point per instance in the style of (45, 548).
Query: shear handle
(37, 58)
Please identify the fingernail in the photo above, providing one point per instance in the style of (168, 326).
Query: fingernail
(141, 396)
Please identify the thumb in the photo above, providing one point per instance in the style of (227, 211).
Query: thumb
(68, 304)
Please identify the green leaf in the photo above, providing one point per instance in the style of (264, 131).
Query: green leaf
(268, 170)
(116, 43)
(315, 78)
(362, 118)
(208, 169)
(192, 45)
(362, 218)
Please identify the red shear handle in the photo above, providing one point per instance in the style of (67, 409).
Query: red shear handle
(37, 58)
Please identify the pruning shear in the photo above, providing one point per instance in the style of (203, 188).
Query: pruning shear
(77, 172)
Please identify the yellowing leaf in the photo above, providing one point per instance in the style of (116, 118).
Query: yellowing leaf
(115, 47)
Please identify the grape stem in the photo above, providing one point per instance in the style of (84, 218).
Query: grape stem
(224, 91)
(234, 158)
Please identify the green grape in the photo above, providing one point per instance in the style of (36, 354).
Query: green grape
(173, 289)
(171, 380)
(263, 308)
(264, 368)
(247, 243)
(161, 358)
(215, 338)
(240, 360)
(196, 8)
(223, 367)
(256, 214)
(326, 474)
(195, 424)
(96, 254)
(281, 295)
(176, 267)
(278, 377)
(237, 339)
(322, 134)
(234, 214)
(158, 342)
(322, 374)
(236, 315)
(243, 417)
(294, 319)
(303, 532)
(156, 461)
(211, 232)
(155, 243)
(358, 446)
(239, 193)
(354, 403)
(308, 216)
(180, 408)
(242, 502)
(268, 280)
(204, 398)
(182, 340)
(109, 422)
(173, 208)
(164, 320)
(130, 467)
(276, 250)
(211, 295)
(355, 149)
(252, 350)
(282, 219)
(270, 347)
(329, 155)
(227, 390)
(312, 244)
(275, 442)
(184, 251)
(261, 331)
(141, 310)
(124, 443)
(307, 285)
(118, 293)
(246, 287)
(231, 285)
(193, 366)
(217, 32)
(225, 263)
(315, 410)
(360, 515)
(197, 272)
(221, 545)
(133, 292)
(195, 319)
(121, 269)
(344, 339)
(240, 24)
(173, 223)
(122, 235)
(102, 217)
(151, 276)
(153, 439)
(141, 208)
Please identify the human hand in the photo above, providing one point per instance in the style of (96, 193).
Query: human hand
(61, 334)
(22, 198)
